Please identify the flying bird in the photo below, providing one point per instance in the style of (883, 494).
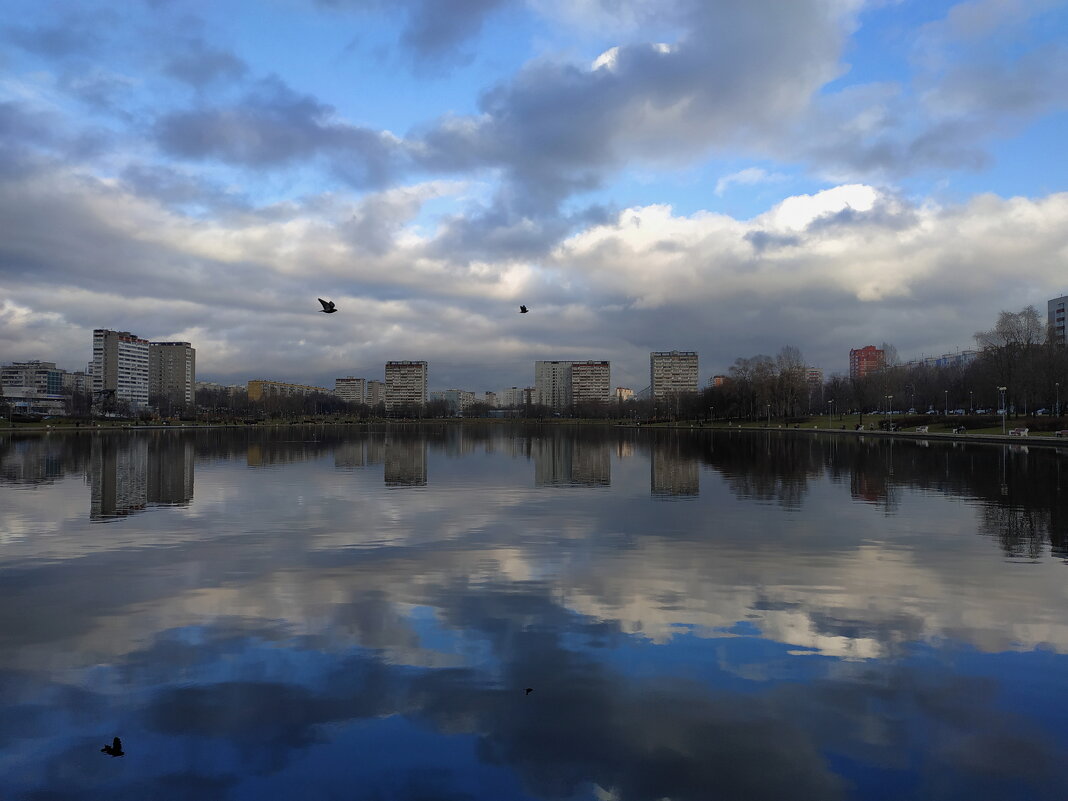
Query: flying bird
(328, 306)
(523, 309)
(528, 691)
(115, 749)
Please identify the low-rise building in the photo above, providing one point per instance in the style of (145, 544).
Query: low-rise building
(260, 389)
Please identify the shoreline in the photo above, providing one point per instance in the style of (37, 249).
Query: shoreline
(1035, 439)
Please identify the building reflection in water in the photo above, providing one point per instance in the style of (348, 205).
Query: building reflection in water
(673, 474)
(130, 472)
(405, 461)
(567, 459)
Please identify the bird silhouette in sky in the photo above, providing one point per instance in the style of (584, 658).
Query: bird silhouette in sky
(115, 749)
(328, 306)
(523, 309)
(528, 691)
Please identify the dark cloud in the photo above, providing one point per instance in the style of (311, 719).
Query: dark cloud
(177, 188)
(99, 90)
(763, 240)
(79, 32)
(199, 65)
(435, 31)
(275, 126)
(558, 129)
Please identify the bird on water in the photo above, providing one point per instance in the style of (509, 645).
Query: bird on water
(328, 306)
(115, 749)
(528, 691)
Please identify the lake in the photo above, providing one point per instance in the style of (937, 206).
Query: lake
(354, 612)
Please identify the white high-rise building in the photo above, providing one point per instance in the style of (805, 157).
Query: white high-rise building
(406, 384)
(591, 381)
(120, 366)
(672, 372)
(552, 380)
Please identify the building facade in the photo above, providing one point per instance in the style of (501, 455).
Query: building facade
(172, 371)
(552, 382)
(259, 389)
(672, 372)
(406, 384)
(591, 381)
(120, 367)
(351, 389)
(863, 361)
(1055, 319)
(78, 382)
(376, 392)
(624, 393)
(43, 377)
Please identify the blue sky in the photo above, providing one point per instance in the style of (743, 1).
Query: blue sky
(718, 176)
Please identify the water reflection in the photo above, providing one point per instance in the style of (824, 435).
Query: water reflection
(818, 619)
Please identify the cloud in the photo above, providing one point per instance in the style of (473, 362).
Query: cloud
(77, 33)
(747, 177)
(200, 65)
(275, 126)
(556, 128)
(436, 31)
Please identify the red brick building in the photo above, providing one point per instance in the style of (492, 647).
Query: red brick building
(865, 360)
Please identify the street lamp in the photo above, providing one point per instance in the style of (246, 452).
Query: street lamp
(1057, 405)
(971, 403)
(947, 402)
(769, 415)
(830, 414)
(890, 410)
(1002, 391)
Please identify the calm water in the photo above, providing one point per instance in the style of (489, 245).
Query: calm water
(342, 614)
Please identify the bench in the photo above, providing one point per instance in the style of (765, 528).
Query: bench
(921, 429)
(1018, 432)
(960, 430)
(1062, 433)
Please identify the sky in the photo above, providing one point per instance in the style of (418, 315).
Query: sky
(725, 176)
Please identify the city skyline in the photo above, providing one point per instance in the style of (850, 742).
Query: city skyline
(728, 178)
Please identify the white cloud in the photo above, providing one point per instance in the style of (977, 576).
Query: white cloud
(747, 177)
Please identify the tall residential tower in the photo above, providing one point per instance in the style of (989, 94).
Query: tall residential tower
(672, 372)
(120, 366)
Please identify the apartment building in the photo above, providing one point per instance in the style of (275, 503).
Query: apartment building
(591, 381)
(552, 382)
(376, 392)
(863, 361)
(259, 389)
(172, 371)
(406, 383)
(351, 389)
(672, 372)
(43, 377)
(1055, 319)
(120, 366)
(624, 393)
